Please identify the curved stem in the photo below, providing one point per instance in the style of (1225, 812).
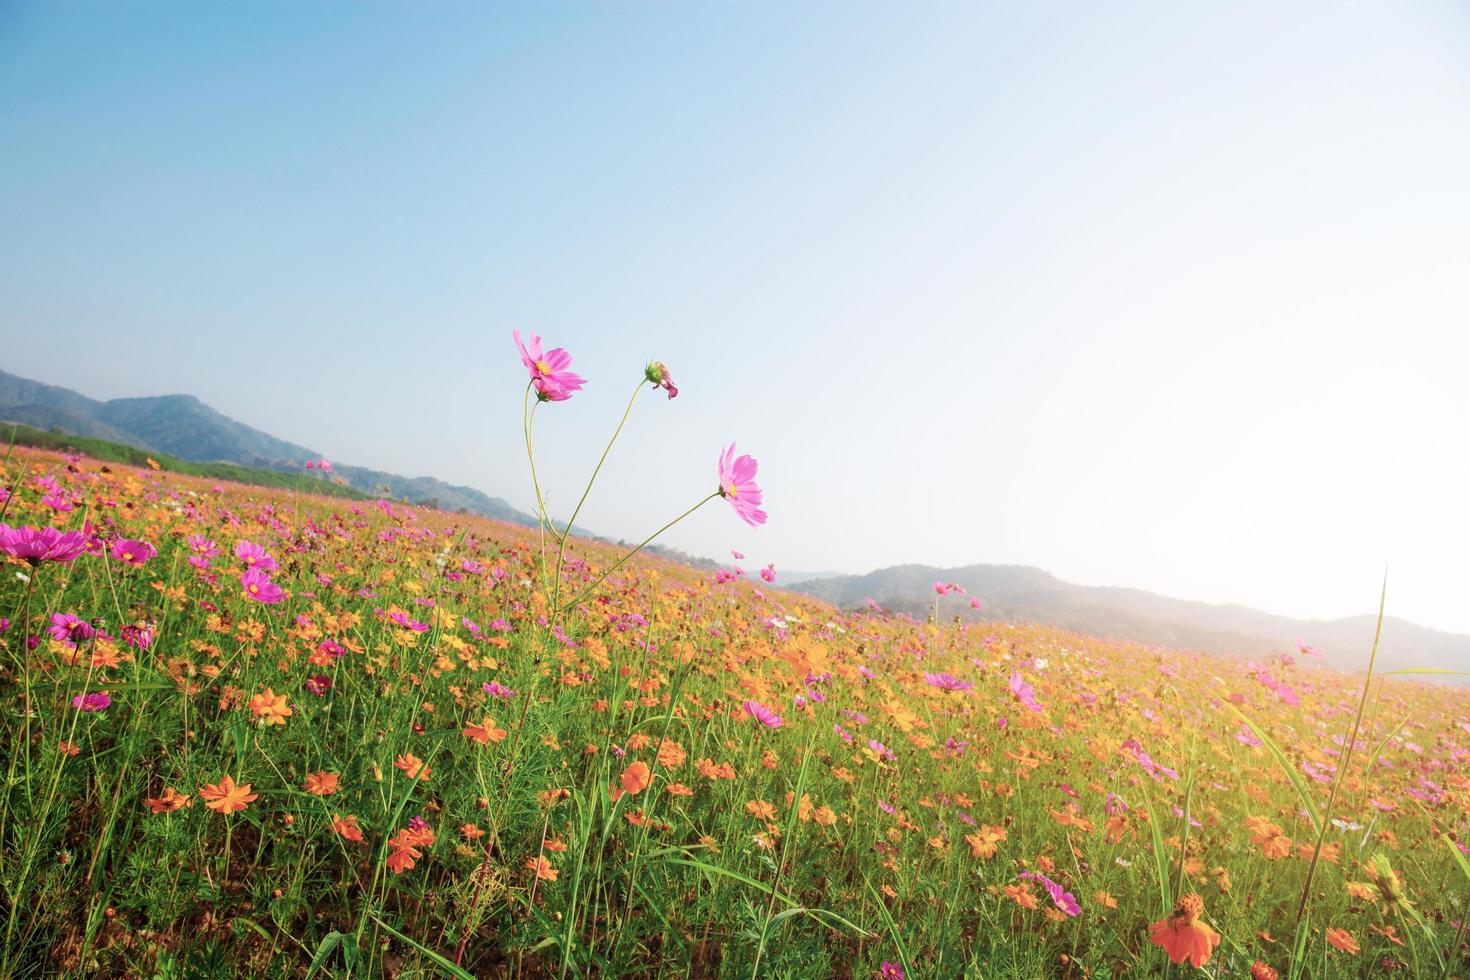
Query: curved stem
(641, 545)
(561, 539)
(528, 419)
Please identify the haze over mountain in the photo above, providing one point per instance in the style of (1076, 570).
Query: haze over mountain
(1018, 594)
(183, 426)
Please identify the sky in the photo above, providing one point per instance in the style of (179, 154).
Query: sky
(1162, 295)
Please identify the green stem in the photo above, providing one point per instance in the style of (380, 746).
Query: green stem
(561, 539)
(641, 545)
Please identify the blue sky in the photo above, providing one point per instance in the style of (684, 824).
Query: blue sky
(1162, 295)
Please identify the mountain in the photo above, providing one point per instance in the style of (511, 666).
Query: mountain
(1018, 594)
(183, 426)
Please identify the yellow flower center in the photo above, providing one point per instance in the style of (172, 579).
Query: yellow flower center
(254, 589)
(542, 367)
(730, 491)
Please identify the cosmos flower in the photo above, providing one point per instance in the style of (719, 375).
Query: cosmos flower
(130, 551)
(1183, 936)
(226, 797)
(1060, 897)
(258, 586)
(95, 701)
(41, 544)
(549, 374)
(255, 556)
(762, 714)
(947, 682)
(1024, 693)
(737, 485)
(67, 628)
(769, 572)
(1342, 940)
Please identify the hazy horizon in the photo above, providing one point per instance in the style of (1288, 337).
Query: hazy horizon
(1170, 298)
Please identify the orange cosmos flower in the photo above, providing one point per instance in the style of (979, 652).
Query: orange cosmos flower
(484, 732)
(761, 810)
(347, 828)
(170, 801)
(679, 789)
(636, 777)
(322, 783)
(1260, 971)
(1022, 896)
(413, 767)
(542, 867)
(985, 841)
(270, 707)
(226, 797)
(1183, 936)
(1343, 940)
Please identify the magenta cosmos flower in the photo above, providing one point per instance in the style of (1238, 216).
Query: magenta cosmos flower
(255, 556)
(762, 714)
(1060, 897)
(737, 485)
(131, 551)
(38, 544)
(96, 701)
(549, 374)
(258, 586)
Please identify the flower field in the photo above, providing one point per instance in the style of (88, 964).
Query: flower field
(253, 732)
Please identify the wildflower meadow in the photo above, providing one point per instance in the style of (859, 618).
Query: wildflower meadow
(257, 732)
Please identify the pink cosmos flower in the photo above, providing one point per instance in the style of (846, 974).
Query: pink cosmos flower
(738, 555)
(939, 588)
(1305, 650)
(974, 603)
(946, 682)
(132, 552)
(255, 556)
(258, 586)
(1060, 897)
(769, 572)
(549, 374)
(96, 701)
(1024, 692)
(737, 485)
(39, 544)
(889, 970)
(67, 628)
(318, 684)
(762, 714)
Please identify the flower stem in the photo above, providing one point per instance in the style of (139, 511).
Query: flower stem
(641, 545)
(561, 539)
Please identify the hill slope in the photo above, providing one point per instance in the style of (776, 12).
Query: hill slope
(184, 426)
(1018, 594)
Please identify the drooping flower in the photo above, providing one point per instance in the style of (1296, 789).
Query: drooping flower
(258, 586)
(226, 797)
(737, 485)
(168, 802)
(549, 374)
(1183, 936)
(41, 544)
(658, 375)
(762, 714)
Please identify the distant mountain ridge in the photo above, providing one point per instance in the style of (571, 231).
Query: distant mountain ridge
(183, 426)
(1020, 594)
